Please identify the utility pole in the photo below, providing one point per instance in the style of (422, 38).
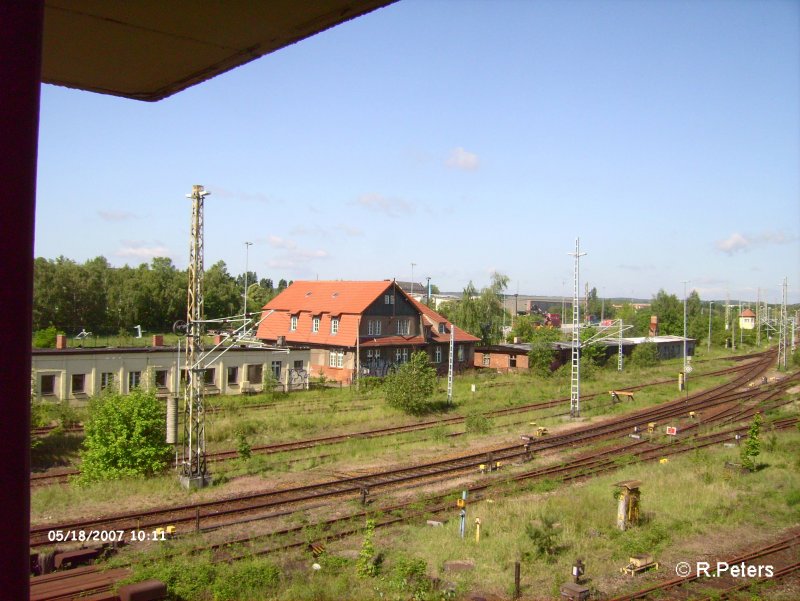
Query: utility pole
(758, 317)
(619, 347)
(247, 246)
(412, 277)
(450, 364)
(783, 325)
(575, 376)
(194, 473)
(710, 311)
(685, 357)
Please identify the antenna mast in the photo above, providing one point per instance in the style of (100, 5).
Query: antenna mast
(194, 473)
(575, 377)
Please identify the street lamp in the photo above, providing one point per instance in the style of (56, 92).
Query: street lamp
(247, 246)
(710, 308)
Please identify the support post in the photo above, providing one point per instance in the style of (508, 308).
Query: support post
(20, 72)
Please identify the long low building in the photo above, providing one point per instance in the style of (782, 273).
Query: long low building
(511, 357)
(76, 374)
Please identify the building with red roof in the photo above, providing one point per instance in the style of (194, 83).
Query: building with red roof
(747, 320)
(365, 326)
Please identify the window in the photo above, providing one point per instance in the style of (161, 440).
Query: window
(276, 370)
(47, 384)
(461, 353)
(437, 355)
(403, 326)
(233, 375)
(369, 354)
(377, 328)
(293, 324)
(442, 328)
(336, 359)
(512, 361)
(486, 359)
(298, 365)
(134, 379)
(78, 383)
(209, 376)
(405, 355)
(315, 324)
(106, 380)
(377, 353)
(374, 327)
(255, 373)
(340, 359)
(388, 299)
(334, 325)
(161, 378)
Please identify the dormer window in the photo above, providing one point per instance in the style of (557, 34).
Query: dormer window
(334, 325)
(315, 325)
(442, 328)
(293, 324)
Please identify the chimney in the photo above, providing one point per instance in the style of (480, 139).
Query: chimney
(653, 326)
(61, 341)
(158, 340)
(218, 339)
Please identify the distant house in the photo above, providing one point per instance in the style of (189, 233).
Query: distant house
(365, 326)
(747, 320)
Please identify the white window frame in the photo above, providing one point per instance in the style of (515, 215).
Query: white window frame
(370, 327)
(334, 325)
(293, 324)
(340, 359)
(332, 359)
(377, 353)
(437, 355)
(369, 354)
(460, 352)
(107, 379)
(487, 359)
(442, 328)
(403, 326)
(388, 299)
(315, 325)
(134, 379)
(398, 355)
(377, 327)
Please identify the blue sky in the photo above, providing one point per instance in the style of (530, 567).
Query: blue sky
(466, 137)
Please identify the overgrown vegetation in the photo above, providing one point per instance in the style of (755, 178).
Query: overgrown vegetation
(645, 355)
(752, 446)
(46, 337)
(410, 387)
(124, 437)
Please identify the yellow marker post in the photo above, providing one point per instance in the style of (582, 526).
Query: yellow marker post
(477, 530)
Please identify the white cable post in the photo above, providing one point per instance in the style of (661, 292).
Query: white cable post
(575, 375)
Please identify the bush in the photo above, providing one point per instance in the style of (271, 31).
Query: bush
(544, 538)
(540, 359)
(45, 338)
(752, 446)
(411, 385)
(477, 423)
(124, 437)
(645, 355)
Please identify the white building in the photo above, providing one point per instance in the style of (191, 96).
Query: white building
(76, 374)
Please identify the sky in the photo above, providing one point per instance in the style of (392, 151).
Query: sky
(465, 137)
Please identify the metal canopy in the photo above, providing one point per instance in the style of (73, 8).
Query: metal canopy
(151, 49)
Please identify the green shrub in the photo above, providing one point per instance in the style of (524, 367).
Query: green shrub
(45, 338)
(752, 446)
(124, 437)
(366, 566)
(245, 580)
(477, 423)
(544, 538)
(645, 355)
(411, 385)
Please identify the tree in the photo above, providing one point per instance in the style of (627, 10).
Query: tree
(480, 313)
(752, 446)
(645, 355)
(222, 296)
(670, 313)
(124, 437)
(411, 385)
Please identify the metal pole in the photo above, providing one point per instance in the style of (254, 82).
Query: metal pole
(575, 376)
(710, 308)
(412, 277)
(685, 373)
(247, 246)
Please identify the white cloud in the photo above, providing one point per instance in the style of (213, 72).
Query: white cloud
(383, 204)
(645, 267)
(737, 242)
(293, 256)
(463, 160)
(116, 215)
(134, 249)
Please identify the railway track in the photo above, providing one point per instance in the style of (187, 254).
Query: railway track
(270, 501)
(579, 468)
(63, 475)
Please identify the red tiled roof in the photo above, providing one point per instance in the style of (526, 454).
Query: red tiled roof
(334, 297)
(748, 313)
(346, 300)
(392, 341)
(434, 319)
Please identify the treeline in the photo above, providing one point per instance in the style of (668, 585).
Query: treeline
(111, 300)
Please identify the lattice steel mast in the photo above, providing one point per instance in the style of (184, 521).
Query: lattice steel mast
(194, 473)
(575, 379)
(783, 341)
